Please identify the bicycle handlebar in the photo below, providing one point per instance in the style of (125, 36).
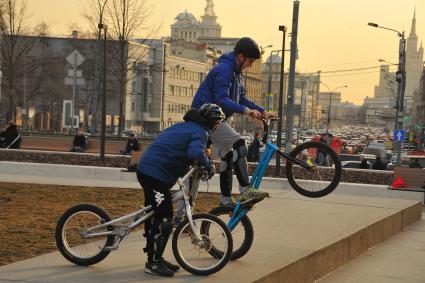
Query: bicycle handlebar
(266, 124)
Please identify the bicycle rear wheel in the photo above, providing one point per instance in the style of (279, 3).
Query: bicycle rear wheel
(323, 175)
(71, 226)
(199, 257)
(242, 234)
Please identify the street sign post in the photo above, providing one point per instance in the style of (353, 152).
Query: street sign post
(399, 135)
(75, 59)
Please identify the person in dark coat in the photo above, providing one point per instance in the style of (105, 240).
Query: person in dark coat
(164, 161)
(415, 164)
(79, 143)
(10, 137)
(379, 165)
(363, 164)
(132, 145)
(254, 149)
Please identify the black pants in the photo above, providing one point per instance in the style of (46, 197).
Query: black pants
(158, 195)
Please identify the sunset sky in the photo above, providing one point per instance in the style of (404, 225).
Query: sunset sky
(333, 34)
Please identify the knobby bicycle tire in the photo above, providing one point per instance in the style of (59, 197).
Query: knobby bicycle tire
(184, 227)
(64, 248)
(246, 224)
(336, 172)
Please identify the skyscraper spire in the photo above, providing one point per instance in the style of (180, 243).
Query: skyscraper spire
(209, 10)
(413, 30)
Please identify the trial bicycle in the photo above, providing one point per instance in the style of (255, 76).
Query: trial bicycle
(313, 169)
(202, 243)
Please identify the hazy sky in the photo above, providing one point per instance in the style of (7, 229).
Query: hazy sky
(333, 34)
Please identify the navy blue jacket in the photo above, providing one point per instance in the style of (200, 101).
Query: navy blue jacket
(223, 86)
(175, 149)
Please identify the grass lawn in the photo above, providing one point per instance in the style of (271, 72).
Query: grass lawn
(29, 213)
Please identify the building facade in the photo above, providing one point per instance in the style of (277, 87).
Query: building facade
(306, 110)
(419, 102)
(45, 83)
(387, 83)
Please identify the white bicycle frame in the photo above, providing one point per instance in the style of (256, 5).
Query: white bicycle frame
(140, 216)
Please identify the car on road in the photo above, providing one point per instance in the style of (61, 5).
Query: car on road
(354, 164)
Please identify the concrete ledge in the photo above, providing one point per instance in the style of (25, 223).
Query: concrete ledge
(320, 263)
(69, 158)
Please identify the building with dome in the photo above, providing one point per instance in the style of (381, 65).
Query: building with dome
(200, 40)
(188, 28)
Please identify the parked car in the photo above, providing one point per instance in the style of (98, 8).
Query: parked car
(349, 157)
(354, 164)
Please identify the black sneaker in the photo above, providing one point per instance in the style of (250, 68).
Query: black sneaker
(158, 268)
(172, 267)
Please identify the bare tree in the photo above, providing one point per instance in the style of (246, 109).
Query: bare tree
(126, 20)
(17, 42)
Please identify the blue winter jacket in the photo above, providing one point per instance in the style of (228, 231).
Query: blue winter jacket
(175, 149)
(224, 87)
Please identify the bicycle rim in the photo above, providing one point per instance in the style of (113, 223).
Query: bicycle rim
(324, 174)
(201, 257)
(74, 243)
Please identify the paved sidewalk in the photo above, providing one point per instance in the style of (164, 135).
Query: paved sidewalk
(288, 228)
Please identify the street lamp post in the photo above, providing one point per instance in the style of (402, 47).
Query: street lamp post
(401, 84)
(103, 124)
(279, 123)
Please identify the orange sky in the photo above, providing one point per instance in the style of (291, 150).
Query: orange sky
(333, 34)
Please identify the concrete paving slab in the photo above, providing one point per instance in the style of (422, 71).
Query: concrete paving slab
(291, 233)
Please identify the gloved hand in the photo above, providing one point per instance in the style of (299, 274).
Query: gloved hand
(208, 173)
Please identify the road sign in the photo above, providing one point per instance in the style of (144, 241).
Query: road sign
(78, 81)
(75, 58)
(399, 135)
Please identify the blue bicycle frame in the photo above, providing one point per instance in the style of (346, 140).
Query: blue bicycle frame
(256, 178)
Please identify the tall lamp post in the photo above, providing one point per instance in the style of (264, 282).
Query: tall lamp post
(330, 100)
(401, 84)
(283, 29)
(101, 26)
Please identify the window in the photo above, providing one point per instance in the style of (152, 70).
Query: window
(145, 86)
(133, 106)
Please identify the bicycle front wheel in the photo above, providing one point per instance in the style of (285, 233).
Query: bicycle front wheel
(199, 257)
(324, 169)
(71, 228)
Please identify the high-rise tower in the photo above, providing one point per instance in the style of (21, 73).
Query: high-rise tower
(414, 65)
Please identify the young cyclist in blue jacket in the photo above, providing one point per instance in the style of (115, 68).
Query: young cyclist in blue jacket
(224, 86)
(167, 159)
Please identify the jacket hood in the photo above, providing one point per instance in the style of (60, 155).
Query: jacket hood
(193, 115)
(230, 59)
(12, 128)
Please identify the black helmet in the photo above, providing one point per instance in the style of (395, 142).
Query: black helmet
(211, 114)
(248, 47)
